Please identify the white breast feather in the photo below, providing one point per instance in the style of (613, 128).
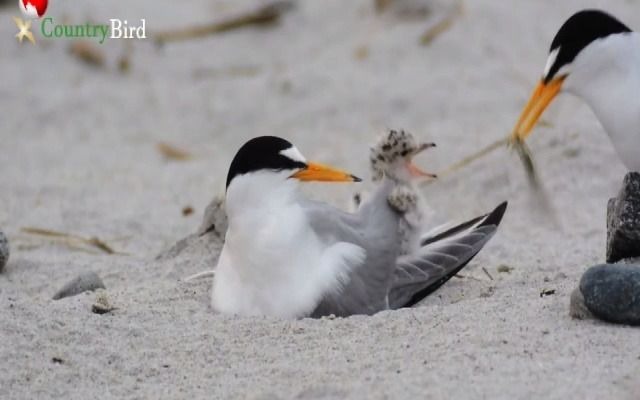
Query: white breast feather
(281, 269)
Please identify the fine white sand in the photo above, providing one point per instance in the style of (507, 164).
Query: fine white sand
(78, 155)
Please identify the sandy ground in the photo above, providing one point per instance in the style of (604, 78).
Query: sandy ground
(78, 154)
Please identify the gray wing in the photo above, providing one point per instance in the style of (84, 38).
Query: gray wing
(374, 227)
(441, 257)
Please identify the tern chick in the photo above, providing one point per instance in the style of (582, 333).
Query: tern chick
(392, 157)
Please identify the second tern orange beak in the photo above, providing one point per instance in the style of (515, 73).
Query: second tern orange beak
(541, 97)
(322, 173)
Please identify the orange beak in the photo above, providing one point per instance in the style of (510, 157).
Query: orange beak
(542, 96)
(322, 173)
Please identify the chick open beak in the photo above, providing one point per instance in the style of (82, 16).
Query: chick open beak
(414, 170)
(542, 96)
(322, 173)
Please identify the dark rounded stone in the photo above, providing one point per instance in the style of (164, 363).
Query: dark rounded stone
(612, 292)
(4, 251)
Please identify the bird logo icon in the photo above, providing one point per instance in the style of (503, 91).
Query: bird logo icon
(24, 27)
(33, 9)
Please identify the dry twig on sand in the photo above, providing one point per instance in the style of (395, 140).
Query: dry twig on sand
(173, 153)
(442, 26)
(487, 273)
(71, 238)
(264, 16)
(86, 52)
(124, 62)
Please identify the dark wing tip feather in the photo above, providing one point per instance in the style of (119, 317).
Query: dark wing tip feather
(488, 226)
(495, 217)
(452, 231)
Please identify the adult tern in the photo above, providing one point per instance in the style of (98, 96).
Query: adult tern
(597, 58)
(287, 256)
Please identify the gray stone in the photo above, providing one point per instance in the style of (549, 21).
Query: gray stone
(4, 251)
(209, 236)
(215, 219)
(84, 282)
(623, 221)
(612, 292)
(201, 249)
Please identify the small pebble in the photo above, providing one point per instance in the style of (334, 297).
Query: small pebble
(84, 282)
(504, 269)
(187, 210)
(612, 292)
(4, 251)
(547, 292)
(101, 305)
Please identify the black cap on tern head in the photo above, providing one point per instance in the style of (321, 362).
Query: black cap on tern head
(262, 153)
(580, 30)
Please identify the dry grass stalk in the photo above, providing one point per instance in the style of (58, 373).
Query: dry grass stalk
(173, 153)
(266, 15)
(94, 242)
(441, 26)
(87, 53)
